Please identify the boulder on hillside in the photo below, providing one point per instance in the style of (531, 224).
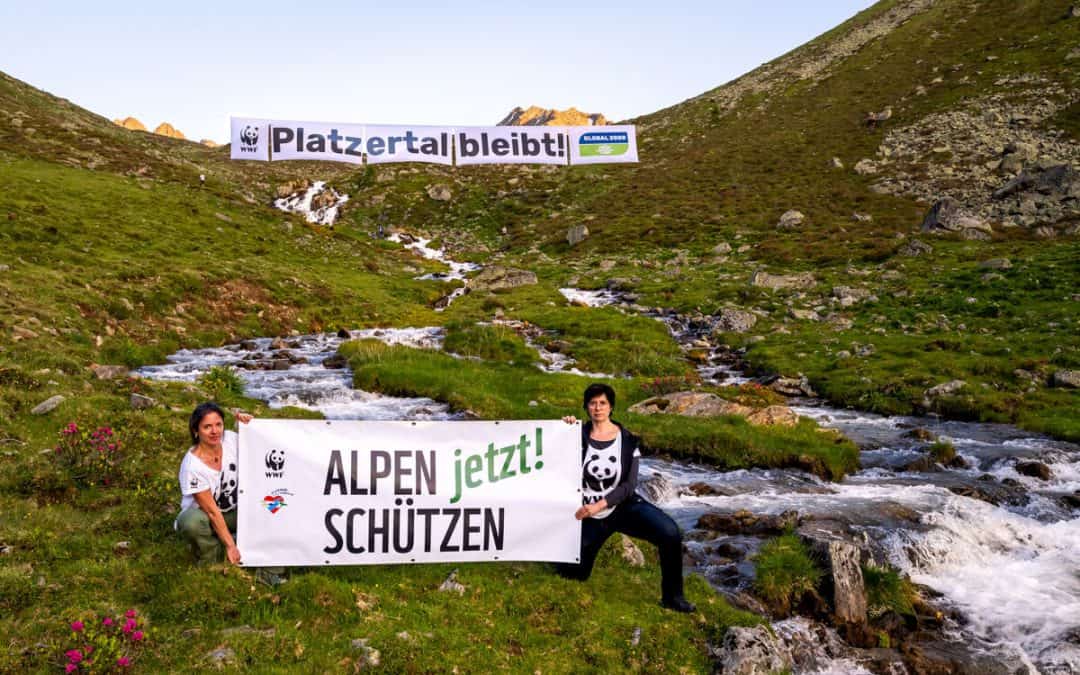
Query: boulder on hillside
(746, 523)
(130, 123)
(773, 416)
(946, 216)
(497, 278)
(751, 651)
(913, 248)
(108, 372)
(865, 167)
(577, 234)
(689, 403)
(166, 129)
(439, 192)
(763, 279)
(847, 296)
(790, 220)
(1066, 378)
(735, 321)
(1059, 181)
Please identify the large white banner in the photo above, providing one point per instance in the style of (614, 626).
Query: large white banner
(249, 139)
(511, 145)
(317, 140)
(409, 144)
(318, 492)
(273, 140)
(603, 145)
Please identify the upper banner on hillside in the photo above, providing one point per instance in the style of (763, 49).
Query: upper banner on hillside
(272, 140)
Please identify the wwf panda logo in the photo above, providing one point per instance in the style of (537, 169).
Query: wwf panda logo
(249, 136)
(275, 459)
(227, 497)
(601, 470)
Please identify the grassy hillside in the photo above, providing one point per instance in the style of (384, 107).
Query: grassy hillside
(110, 252)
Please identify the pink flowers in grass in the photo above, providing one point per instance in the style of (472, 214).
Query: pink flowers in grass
(105, 645)
(90, 457)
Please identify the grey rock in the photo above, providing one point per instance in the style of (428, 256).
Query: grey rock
(735, 320)
(577, 234)
(48, 405)
(743, 522)
(790, 220)
(995, 264)
(780, 281)
(752, 651)
(792, 386)
(1066, 378)
(496, 278)
(1057, 180)
(836, 163)
(946, 215)
(848, 296)
(804, 314)
(108, 372)
(452, 585)
(369, 656)
(141, 402)
(630, 553)
(1034, 470)
(221, 657)
(723, 248)
(439, 192)
(657, 488)
(914, 248)
(866, 167)
(862, 217)
(945, 389)
(20, 333)
(849, 590)
(248, 630)
(1045, 232)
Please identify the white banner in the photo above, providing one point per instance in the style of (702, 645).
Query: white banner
(317, 140)
(409, 144)
(318, 492)
(273, 140)
(249, 139)
(511, 145)
(603, 145)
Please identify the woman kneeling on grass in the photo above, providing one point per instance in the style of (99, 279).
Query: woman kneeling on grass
(209, 487)
(609, 479)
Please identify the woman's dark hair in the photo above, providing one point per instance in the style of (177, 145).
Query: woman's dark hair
(598, 389)
(197, 415)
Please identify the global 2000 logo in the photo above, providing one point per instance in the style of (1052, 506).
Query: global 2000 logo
(275, 501)
(604, 143)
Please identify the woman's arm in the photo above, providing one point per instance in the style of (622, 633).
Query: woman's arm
(205, 501)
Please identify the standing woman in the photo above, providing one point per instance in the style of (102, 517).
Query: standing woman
(208, 486)
(610, 504)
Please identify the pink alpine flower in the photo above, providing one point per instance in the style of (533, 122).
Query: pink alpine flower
(129, 626)
(74, 654)
(130, 614)
(123, 662)
(77, 626)
(137, 636)
(107, 621)
(70, 668)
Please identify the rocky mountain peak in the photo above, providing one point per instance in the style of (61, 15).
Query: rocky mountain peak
(537, 116)
(130, 123)
(166, 129)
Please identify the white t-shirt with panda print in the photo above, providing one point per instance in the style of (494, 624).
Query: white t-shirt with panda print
(196, 476)
(601, 472)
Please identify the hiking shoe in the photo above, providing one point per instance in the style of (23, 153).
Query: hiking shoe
(678, 604)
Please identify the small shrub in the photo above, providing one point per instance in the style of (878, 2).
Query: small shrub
(222, 380)
(785, 571)
(887, 590)
(105, 644)
(659, 386)
(90, 457)
(943, 452)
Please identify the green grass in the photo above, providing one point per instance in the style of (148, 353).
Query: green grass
(784, 571)
(500, 391)
(888, 591)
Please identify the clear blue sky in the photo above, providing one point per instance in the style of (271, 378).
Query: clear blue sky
(194, 64)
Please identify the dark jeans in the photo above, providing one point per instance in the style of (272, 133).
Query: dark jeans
(639, 519)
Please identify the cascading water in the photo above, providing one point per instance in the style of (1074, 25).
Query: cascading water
(1010, 568)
